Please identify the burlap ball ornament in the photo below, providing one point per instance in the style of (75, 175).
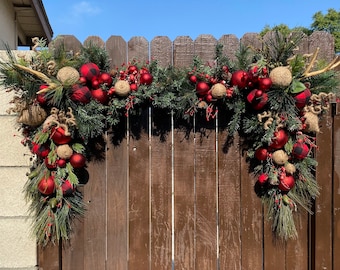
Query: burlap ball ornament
(122, 88)
(64, 151)
(290, 168)
(280, 157)
(312, 122)
(218, 91)
(281, 76)
(33, 116)
(68, 75)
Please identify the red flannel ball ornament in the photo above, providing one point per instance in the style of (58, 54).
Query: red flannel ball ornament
(81, 93)
(89, 71)
(300, 150)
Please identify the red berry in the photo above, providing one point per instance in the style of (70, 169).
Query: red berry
(263, 178)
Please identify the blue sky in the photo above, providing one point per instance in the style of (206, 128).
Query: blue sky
(83, 18)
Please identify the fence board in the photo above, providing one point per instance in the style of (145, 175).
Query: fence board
(161, 200)
(117, 204)
(183, 53)
(230, 46)
(161, 49)
(138, 49)
(94, 41)
(139, 193)
(205, 186)
(184, 214)
(117, 50)
(323, 204)
(205, 48)
(336, 189)
(49, 257)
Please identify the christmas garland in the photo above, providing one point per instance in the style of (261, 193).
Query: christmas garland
(64, 102)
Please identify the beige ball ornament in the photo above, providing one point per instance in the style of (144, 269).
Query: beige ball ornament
(281, 76)
(122, 88)
(64, 151)
(218, 91)
(68, 75)
(290, 168)
(280, 157)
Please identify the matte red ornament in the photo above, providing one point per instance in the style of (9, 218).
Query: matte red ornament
(286, 183)
(77, 160)
(279, 140)
(261, 153)
(100, 95)
(89, 71)
(58, 136)
(239, 78)
(146, 78)
(67, 188)
(46, 186)
(81, 93)
(202, 88)
(300, 150)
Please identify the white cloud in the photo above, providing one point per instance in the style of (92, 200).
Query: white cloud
(85, 8)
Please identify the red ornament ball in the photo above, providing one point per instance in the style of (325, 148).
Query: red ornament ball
(279, 140)
(257, 98)
(58, 136)
(50, 166)
(41, 150)
(81, 93)
(300, 150)
(286, 183)
(105, 78)
(133, 87)
(265, 83)
(263, 178)
(193, 79)
(61, 163)
(239, 78)
(77, 160)
(67, 188)
(100, 95)
(46, 186)
(302, 98)
(89, 71)
(261, 153)
(202, 88)
(146, 78)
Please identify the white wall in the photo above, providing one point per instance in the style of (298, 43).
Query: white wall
(17, 247)
(8, 27)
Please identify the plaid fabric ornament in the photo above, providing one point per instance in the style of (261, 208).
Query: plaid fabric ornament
(81, 93)
(89, 71)
(300, 150)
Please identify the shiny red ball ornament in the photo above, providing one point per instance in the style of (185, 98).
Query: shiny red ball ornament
(61, 163)
(302, 98)
(46, 186)
(265, 83)
(262, 179)
(202, 88)
(279, 140)
(133, 87)
(146, 78)
(100, 95)
(81, 93)
(239, 78)
(261, 153)
(41, 150)
(58, 136)
(132, 69)
(193, 79)
(77, 160)
(286, 183)
(67, 188)
(95, 83)
(300, 150)
(89, 71)
(105, 78)
(257, 98)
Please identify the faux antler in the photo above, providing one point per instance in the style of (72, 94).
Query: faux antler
(333, 64)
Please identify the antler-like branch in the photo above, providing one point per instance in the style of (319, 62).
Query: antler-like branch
(333, 64)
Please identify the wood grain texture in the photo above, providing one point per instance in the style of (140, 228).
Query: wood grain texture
(94, 41)
(116, 47)
(336, 188)
(183, 51)
(49, 257)
(205, 48)
(138, 49)
(161, 49)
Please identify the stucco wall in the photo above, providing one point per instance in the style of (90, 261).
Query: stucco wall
(7, 25)
(17, 247)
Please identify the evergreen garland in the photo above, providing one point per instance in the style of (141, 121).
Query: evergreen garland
(61, 115)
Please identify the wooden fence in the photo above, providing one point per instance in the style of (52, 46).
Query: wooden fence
(166, 198)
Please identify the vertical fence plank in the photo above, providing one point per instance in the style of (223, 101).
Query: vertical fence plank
(205, 183)
(69, 42)
(117, 204)
(252, 216)
(323, 204)
(95, 218)
(184, 199)
(161, 175)
(117, 50)
(73, 250)
(138, 49)
(139, 193)
(49, 257)
(161, 50)
(205, 48)
(336, 189)
(231, 44)
(183, 51)
(229, 202)
(253, 40)
(94, 41)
